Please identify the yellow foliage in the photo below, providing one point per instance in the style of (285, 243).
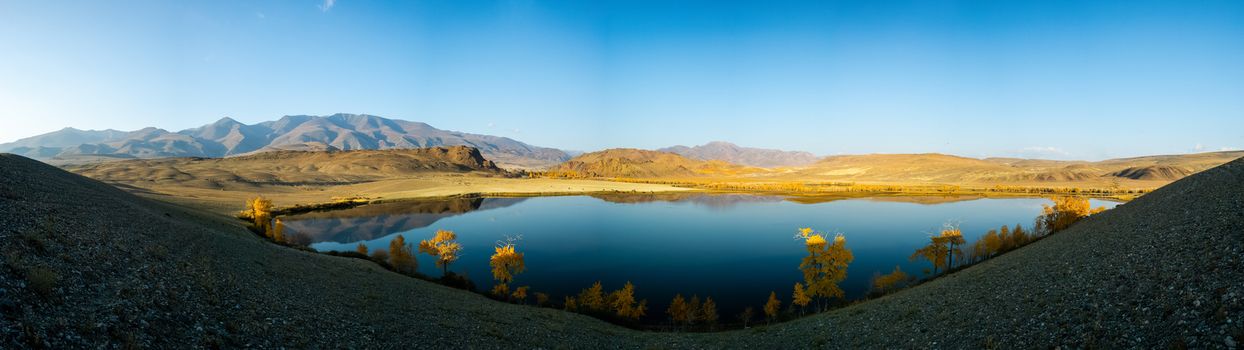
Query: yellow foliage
(693, 309)
(401, 257)
(520, 294)
(888, 282)
(571, 304)
(826, 264)
(278, 231)
(679, 311)
(640, 310)
(623, 302)
(444, 247)
(542, 298)
(772, 306)
(593, 298)
(709, 311)
(362, 249)
(1064, 212)
(501, 290)
(506, 262)
(259, 209)
(942, 248)
(800, 298)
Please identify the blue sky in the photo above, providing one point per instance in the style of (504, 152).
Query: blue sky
(1052, 79)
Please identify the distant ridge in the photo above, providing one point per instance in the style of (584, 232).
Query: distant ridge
(228, 137)
(638, 163)
(729, 152)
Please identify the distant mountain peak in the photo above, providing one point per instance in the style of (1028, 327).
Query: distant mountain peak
(732, 153)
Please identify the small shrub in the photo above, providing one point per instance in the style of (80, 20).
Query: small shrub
(42, 280)
(35, 240)
(457, 281)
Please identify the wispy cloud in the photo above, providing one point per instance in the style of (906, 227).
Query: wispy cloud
(327, 5)
(1038, 152)
(1043, 150)
(1203, 148)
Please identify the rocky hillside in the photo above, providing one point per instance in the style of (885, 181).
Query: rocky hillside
(637, 163)
(292, 167)
(228, 137)
(731, 153)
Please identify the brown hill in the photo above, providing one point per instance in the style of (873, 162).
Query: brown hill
(1150, 171)
(927, 167)
(292, 167)
(1153, 172)
(638, 163)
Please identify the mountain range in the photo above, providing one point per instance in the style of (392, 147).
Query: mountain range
(729, 152)
(228, 137)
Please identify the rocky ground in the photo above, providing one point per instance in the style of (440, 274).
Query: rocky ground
(88, 265)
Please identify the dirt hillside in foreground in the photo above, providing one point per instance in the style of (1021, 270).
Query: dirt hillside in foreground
(1160, 271)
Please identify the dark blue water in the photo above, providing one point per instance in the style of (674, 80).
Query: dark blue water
(735, 248)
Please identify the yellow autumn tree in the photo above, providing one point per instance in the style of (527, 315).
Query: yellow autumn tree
(520, 294)
(1064, 212)
(1019, 236)
(259, 209)
(772, 307)
(278, 231)
(623, 303)
(541, 299)
(640, 309)
(593, 298)
(799, 298)
(891, 281)
(444, 247)
(993, 241)
(571, 304)
(679, 311)
(709, 312)
(826, 264)
(942, 248)
(401, 257)
(953, 238)
(506, 262)
(361, 249)
(501, 290)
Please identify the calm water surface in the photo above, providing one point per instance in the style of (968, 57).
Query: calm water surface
(735, 248)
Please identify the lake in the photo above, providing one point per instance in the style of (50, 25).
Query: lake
(735, 248)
